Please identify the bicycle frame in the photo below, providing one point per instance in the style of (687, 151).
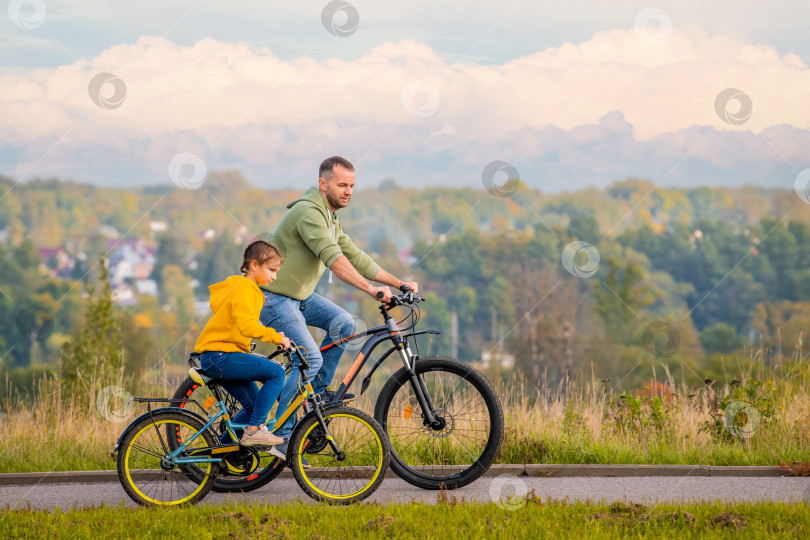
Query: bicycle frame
(305, 394)
(379, 334)
(388, 331)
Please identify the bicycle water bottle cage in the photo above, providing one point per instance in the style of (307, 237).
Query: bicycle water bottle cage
(198, 376)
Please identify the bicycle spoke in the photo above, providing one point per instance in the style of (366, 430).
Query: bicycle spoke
(145, 479)
(459, 403)
(361, 456)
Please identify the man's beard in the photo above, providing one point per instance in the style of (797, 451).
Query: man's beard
(334, 202)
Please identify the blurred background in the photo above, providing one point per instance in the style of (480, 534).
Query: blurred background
(583, 190)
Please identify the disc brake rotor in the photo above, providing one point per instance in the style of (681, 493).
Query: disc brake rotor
(449, 425)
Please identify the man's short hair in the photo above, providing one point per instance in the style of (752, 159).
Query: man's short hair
(325, 171)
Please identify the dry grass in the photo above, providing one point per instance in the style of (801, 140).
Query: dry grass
(576, 422)
(55, 429)
(589, 424)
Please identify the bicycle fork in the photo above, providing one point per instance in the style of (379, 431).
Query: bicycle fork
(339, 454)
(419, 388)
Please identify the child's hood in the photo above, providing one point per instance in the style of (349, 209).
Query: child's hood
(222, 290)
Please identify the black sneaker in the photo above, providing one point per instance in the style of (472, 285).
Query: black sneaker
(328, 396)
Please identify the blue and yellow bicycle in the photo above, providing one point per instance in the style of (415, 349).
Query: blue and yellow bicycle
(171, 456)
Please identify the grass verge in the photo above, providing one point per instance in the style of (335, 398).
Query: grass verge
(532, 518)
(760, 419)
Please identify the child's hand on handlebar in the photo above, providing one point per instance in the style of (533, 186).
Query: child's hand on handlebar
(285, 341)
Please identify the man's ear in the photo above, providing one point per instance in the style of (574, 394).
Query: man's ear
(322, 184)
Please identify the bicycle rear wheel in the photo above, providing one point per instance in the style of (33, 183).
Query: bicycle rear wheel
(141, 471)
(460, 450)
(338, 479)
(233, 480)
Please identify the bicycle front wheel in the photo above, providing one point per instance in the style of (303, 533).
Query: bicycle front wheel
(146, 478)
(345, 477)
(469, 435)
(233, 480)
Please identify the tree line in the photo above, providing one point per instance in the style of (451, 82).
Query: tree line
(719, 270)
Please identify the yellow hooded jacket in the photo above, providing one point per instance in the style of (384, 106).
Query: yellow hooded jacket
(236, 303)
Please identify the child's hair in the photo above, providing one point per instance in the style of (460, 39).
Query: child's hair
(261, 252)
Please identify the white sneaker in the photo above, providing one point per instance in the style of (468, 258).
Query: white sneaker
(260, 437)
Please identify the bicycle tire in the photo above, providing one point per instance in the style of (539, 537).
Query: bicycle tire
(269, 467)
(139, 459)
(335, 481)
(424, 462)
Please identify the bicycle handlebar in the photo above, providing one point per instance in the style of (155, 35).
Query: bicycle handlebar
(407, 297)
(303, 364)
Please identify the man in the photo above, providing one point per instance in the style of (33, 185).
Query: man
(312, 240)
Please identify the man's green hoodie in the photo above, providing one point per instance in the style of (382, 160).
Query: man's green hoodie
(311, 240)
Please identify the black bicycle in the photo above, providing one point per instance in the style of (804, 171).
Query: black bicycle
(443, 419)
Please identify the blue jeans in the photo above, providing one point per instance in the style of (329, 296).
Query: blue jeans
(237, 372)
(291, 316)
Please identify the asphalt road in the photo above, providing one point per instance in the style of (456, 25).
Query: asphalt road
(638, 489)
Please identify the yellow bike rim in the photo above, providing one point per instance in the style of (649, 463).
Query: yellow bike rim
(204, 467)
(378, 445)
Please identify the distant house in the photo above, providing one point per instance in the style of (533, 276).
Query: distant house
(146, 287)
(123, 294)
(406, 256)
(57, 262)
(130, 258)
(202, 307)
(108, 231)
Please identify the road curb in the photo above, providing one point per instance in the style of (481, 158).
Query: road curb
(536, 470)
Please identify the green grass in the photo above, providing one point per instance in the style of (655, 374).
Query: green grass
(447, 519)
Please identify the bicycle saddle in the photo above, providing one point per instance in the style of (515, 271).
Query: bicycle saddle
(199, 377)
(195, 372)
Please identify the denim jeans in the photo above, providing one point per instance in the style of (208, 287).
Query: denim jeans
(237, 372)
(291, 316)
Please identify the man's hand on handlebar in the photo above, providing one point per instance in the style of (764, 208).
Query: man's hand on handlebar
(383, 294)
(412, 285)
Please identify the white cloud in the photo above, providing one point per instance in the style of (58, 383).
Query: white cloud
(234, 103)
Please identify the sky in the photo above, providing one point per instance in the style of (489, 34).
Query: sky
(569, 95)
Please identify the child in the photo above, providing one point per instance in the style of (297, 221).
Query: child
(225, 343)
